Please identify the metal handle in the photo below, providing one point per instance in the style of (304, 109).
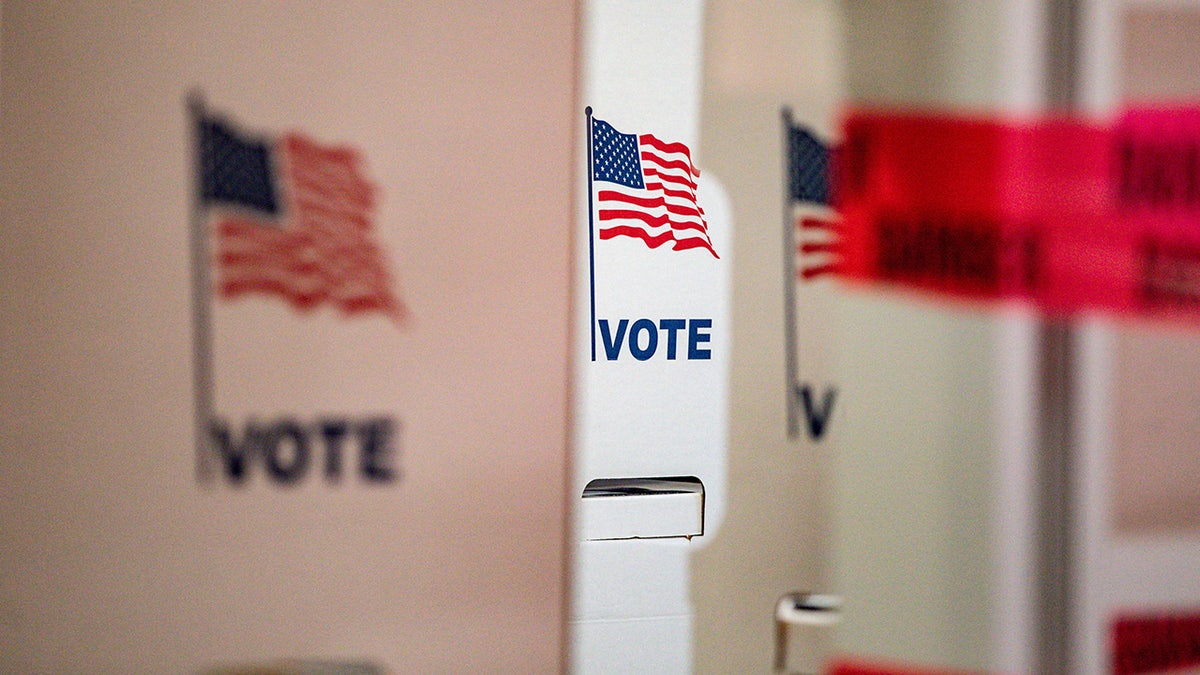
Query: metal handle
(810, 610)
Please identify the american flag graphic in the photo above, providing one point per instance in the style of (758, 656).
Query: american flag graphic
(646, 189)
(814, 230)
(293, 220)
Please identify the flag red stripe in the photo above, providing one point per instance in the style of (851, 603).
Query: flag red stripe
(301, 299)
(664, 146)
(650, 219)
(695, 242)
(301, 274)
(818, 271)
(244, 240)
(652, 240)
(824, 247)
(343, 282)
(669, 164)
(350, 198)
(234, 288)
(687, 196)
(669, 179)
(312, 211)
(809, 223)
(649, 203)
(828, 226)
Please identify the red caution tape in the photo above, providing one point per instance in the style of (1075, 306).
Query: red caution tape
(1152, 643)
(1157, 183)
(1062, 213)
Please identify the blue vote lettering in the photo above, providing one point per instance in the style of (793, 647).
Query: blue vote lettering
(287, 449)
(643, 337)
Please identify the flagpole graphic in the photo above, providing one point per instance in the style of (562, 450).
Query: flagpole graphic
(806, 170)
(201, 315)
(791, 355)
(591, 227)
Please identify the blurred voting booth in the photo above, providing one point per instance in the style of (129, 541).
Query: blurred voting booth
(1011, 508)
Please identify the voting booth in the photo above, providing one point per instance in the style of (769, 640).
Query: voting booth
(285, 358)
(653, 241)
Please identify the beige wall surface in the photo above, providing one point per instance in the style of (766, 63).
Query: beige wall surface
(1155, 462)
(112, 557)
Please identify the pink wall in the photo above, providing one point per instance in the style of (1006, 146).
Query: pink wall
(112, 557)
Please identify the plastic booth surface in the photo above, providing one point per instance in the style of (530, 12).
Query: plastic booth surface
(652, 326)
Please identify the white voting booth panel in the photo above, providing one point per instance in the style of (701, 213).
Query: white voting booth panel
(651, 353)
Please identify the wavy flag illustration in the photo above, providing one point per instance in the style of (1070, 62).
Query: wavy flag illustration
(814, 236)
(285, 217)
(646, 189)
(292, 219)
